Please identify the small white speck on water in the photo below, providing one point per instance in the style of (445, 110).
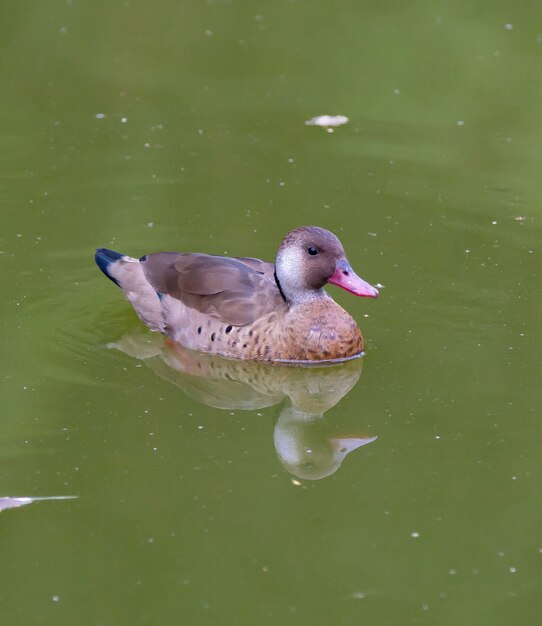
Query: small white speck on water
(512, 570)
(124, 120)
(150, 539)
(99, 116)
(437, 436)
(150, 224)
(358, 595)
(425, 607)
(509, 26)
(56, 598)
(146, 145)
(460, 123)
(63, 30)
(281, 183)
(415, 535)
(209, 33)
(494, 222)
(396, 91)
(296, 482)
(452, 572)
(514, 477)
(327, 121)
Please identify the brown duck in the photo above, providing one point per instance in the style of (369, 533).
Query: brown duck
(245, 308)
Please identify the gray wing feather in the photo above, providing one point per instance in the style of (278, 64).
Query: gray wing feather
(237, 291)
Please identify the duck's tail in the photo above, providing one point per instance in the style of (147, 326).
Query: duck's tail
(105, 259)
(127, 273)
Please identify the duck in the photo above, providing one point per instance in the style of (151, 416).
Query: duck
(245, 308)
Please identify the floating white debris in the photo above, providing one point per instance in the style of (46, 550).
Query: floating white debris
(509, 26)
(328, 121)
(15, 502)
(460, 123)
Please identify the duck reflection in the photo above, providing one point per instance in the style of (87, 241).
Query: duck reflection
(303, 439)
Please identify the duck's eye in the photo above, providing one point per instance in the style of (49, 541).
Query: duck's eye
(312, 251)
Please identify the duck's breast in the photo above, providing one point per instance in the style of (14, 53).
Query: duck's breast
(320, 330)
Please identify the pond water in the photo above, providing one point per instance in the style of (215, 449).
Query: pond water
(402, 488)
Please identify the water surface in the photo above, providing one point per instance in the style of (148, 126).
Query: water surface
(181, 126)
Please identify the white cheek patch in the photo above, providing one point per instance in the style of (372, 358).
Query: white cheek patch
(291, 263)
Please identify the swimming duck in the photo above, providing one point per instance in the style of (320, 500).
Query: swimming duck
(245, 308)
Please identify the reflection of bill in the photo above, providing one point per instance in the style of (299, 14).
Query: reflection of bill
(303, 439)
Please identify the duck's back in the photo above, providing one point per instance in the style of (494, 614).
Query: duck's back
(235, 291)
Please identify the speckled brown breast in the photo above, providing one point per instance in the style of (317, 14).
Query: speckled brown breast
(318, 330)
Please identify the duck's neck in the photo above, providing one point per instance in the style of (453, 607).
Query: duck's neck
(293, 295)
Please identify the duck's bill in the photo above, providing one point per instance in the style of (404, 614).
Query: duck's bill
(345, 277)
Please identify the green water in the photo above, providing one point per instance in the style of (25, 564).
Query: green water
(180, 125)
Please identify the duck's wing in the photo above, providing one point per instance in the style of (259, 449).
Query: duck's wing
(235, 290)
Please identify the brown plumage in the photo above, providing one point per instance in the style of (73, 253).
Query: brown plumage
(246, 308)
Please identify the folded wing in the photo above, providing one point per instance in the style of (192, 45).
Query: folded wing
(234, 290)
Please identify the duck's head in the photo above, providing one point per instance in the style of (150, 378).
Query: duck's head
(308, 258)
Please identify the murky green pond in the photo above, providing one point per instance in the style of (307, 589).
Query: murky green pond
(250, 495)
